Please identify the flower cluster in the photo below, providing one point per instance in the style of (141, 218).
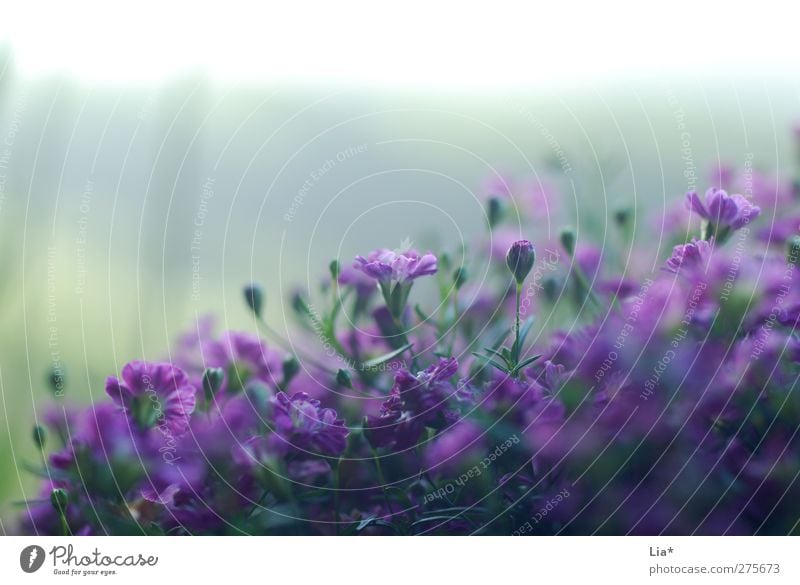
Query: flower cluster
(566, 392)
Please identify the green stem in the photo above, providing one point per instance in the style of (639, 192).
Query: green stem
(516, 328)
(454, 329)
(583, 284)
(258, 503)
(382, 480)
(336, 478)
(64, 524)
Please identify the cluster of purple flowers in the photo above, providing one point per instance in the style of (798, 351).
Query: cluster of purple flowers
(662, 401)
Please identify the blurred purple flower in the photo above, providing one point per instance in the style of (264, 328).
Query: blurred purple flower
(303, 425)
(154, 394)
(722, 210)
(454, 448)
(691, 256)
(359, 280)
(414, 403)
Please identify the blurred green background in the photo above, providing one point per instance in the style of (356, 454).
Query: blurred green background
(126, 210)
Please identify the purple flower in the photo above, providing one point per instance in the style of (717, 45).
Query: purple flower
(302, 424)
(691, 256)
(414, 403)
(394, 428)
(154, 394)
(358, 280)
(780, 230)
(722, 211)
(244, 357)
(386, 265)
(455, 448)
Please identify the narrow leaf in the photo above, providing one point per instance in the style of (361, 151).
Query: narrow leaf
(489, 360)
(525, 329)
(368, 365)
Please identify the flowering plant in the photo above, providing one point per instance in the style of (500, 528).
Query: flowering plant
(579, 394)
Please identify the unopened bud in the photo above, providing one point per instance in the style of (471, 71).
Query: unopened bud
(254, 297)
(494, 211)
(568, 240)
(212, 382)
(622, 216)
(520, 259)
(56, 380)
(343, 378)
(39, 437)
(460, 276)
(334, 268)
(59, 499)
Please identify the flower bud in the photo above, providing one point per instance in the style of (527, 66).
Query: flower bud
(551, 289)
(300, 306)
(520, 259)
(495, 211)
(343, 378)
(254, 297)
(460, 276)
(568, 240)
(56, 380)
(335, 269)
(212, 382)
(622, 216)
(59, 499)
(290, 369)
(39, 437)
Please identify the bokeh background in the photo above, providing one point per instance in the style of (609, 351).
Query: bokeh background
(130, 204)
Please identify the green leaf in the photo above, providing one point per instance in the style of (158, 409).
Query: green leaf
(367, 522)
(525, 362)
(499, 353)
(368, 365)
(337, 307)
(460, 509)
(501, 338)
(35, 470)
(529, 360)
(398, 298)
(433, 519)
(525, 329)
(489, 360)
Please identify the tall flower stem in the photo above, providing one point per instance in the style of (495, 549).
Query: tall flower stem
(382, 481)
(336, 503)
(454, 328)
(516, 324)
